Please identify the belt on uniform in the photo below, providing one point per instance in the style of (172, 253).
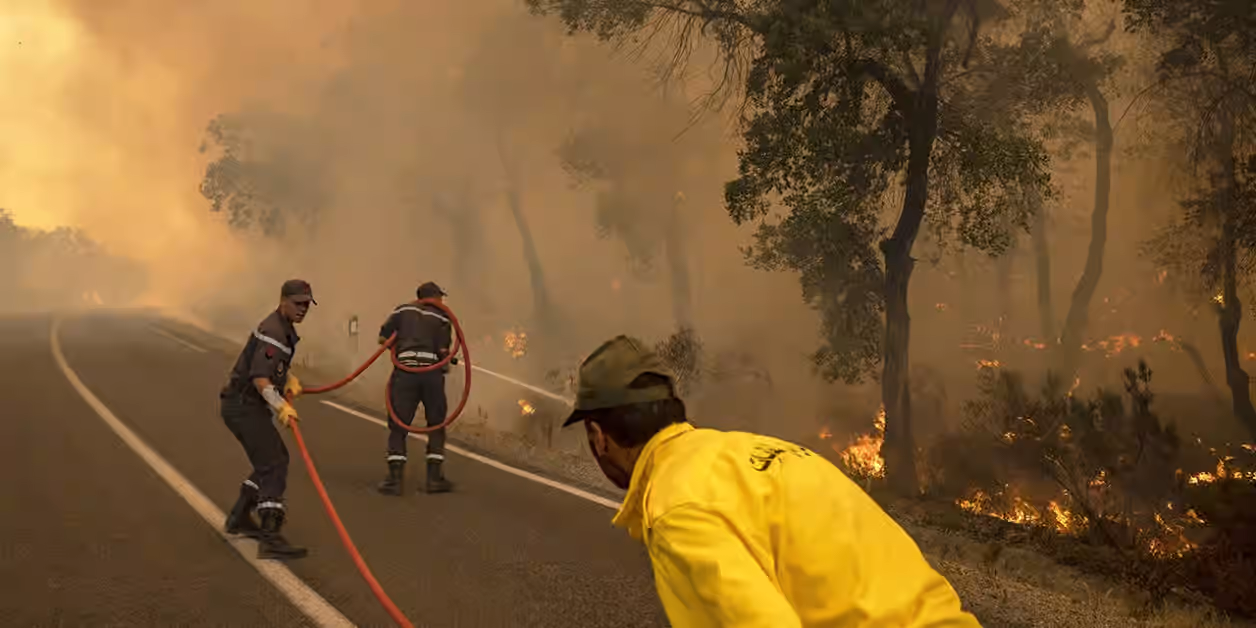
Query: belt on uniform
(417, 358)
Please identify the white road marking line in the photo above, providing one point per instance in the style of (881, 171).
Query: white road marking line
(319, 610)
(161, 332)
(516, 382)
(597, 499)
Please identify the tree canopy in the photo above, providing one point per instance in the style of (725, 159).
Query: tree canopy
(845, 102)
(265, 177)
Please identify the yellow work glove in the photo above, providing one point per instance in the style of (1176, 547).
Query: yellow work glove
(292, 389)
(286, 415)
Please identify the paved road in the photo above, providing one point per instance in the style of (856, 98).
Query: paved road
(91, 535)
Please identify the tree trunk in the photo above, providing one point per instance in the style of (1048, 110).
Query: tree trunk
(1042, 261)
(540, 295)
(682, 299)
(899, 448)
(1230, 311)
(463, 215)
(1079, 309)
(1003, 279)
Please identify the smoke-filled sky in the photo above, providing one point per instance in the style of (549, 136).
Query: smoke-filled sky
(390, 104)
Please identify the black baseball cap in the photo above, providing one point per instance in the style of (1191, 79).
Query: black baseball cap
(298, 290)
(429, 290)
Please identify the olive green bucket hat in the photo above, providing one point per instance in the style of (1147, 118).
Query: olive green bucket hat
(606, 377)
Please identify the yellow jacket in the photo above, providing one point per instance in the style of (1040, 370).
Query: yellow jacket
(748, 531)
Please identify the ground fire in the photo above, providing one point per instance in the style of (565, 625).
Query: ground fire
(862, 457)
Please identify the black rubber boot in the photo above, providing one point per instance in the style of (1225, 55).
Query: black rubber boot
(240, 519)
(272, 545)
(436, 482)
(396, 477)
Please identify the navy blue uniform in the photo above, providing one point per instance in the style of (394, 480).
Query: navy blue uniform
(267, 353)
(424, 336)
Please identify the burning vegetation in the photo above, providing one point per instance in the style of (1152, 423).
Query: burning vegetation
(516, 344)
(861, 457)
(1107, 472)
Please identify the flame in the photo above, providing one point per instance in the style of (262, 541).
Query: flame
(1021, 511)
(1224, 470)
(1219, 299)
(1077, 381)
(1034, 344)
(1172, 542)
(1065, 520)
(826, 433)
(863, 456)
(526, 408)
(1101, 480)
(1113, 345)
(988, 364)
(516, 344)
(981, 504)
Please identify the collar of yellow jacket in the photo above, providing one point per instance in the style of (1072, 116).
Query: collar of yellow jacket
(629, 515)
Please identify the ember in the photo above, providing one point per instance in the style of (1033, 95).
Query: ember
(989, 364)
(526, 408)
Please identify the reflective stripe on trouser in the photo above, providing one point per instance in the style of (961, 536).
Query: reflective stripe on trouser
(408, 391)
(252, 425)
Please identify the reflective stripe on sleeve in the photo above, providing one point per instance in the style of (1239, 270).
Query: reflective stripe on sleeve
(271, 341)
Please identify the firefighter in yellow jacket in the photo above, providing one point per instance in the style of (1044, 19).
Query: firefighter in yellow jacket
(746, 530)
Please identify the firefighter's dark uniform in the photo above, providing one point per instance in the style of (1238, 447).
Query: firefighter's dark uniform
(267, 353)
(424, 335)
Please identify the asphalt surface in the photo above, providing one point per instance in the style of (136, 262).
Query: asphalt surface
(90, 535)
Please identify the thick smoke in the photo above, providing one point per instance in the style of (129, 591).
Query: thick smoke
(370, 146)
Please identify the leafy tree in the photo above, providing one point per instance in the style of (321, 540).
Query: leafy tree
(266, 176)
(1207, 76)
(510, 81)
(844, 102)
(638, 173)
(1081, 68)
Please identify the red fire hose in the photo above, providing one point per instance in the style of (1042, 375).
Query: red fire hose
(459, 345)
